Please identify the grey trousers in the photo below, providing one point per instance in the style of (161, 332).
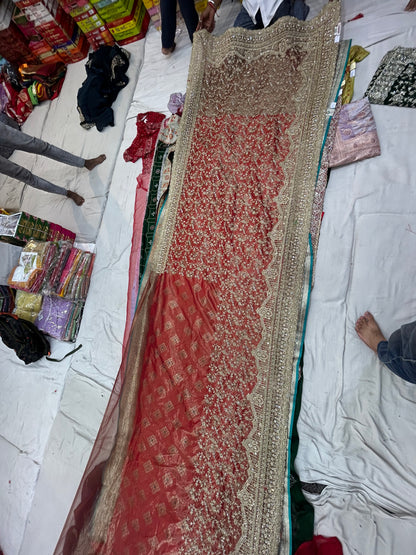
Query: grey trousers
(12, 139)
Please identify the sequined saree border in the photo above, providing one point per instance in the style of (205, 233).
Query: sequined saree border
(262, 497)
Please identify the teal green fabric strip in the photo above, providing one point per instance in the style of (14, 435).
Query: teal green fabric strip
(150, 217)
(301, 513)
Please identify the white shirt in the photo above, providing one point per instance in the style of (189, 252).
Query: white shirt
(267, 9)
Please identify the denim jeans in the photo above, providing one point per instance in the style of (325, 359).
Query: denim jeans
(168, 19)
(399, 352)
(296, 9)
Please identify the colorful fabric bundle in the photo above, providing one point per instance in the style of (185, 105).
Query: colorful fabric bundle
(60, 318)
(43, 82)
(394, 81)
(28, 274)
(59, 233)
(148, 126)
(75, 278)
(46, 272)
(53, 268)
(6, 299)
(18, 228)
(52, 282)
(356, 134)
(49, 76)
(28, 305)
(357, 54)
(167, 137)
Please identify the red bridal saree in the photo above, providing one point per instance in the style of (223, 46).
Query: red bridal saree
(199, 461)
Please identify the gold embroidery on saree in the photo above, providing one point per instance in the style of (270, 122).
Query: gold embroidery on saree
(244, 87)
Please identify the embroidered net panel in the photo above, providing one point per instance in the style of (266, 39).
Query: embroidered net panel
(199, 463)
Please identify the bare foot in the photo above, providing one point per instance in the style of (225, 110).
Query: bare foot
(78, 199)
(167, 51)
(368, 331)
(92, 162)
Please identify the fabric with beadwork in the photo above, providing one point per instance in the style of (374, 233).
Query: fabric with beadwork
(199, 463)
(394, 82)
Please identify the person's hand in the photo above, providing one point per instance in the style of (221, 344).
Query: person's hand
(207, 19)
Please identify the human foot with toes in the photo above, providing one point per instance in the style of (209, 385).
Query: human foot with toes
(369, 331)
(92, 162)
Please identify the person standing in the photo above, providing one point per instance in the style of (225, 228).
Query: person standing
(168, 19)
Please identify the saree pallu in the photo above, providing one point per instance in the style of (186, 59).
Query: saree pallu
(199, 463)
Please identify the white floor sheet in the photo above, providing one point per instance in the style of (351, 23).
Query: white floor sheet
(357, 419)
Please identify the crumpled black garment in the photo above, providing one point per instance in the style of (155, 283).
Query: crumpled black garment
(106, 76)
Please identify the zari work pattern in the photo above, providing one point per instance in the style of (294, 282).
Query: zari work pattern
(200, 461)
(394, 81)
(166, 138)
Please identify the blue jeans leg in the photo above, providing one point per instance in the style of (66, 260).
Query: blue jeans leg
(168, 20)
(399, 352)
(244, 20)
(299, 10)
(190, 16)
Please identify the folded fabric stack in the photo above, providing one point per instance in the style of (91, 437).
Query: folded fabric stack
(393, 82)
(6, 299)
(36, 258)
(18, 228)
(52, 279)
(60, 318)
(75, 278)
(28, 305)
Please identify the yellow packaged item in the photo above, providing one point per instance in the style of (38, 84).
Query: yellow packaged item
(27, 305)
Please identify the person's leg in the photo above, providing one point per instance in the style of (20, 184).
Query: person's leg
(398, 353)
(190, 16)
(299, 10)
(22, 174)
(168, 20)
(244, 20)
(21, 141)
(282, 10)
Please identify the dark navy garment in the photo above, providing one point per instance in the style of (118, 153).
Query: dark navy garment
(168, 19)
(106, 76)
(295, 8)
(399, 352)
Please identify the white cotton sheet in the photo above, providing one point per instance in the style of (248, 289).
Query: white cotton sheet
(357, 420)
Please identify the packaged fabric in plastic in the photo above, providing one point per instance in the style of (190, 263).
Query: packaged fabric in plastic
(27, 305)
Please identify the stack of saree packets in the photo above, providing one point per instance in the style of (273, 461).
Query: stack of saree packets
(60, 318)
(75, 278)
(61, 274)
(36, 259)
